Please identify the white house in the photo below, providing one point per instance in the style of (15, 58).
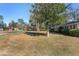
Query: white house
(72, 25)
(69, 25)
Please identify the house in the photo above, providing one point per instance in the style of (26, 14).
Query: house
(69, 25)
(72, 25)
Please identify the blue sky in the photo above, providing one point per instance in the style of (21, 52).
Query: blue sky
(14, 11)
(75, 5)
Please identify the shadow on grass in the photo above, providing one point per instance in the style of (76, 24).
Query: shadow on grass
(13, 32)
(33, 33)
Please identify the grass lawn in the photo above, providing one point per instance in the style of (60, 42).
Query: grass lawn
(2, 37)
(25, 44)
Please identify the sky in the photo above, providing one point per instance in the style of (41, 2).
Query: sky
(75, 5)
(14, 11)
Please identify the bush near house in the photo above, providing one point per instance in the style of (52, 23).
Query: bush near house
(70, 32)
(66, 32)
(74, 32)
(63, 31)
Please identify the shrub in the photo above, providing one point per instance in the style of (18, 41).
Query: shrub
(74, 33)
(51, 30)
(60, 30)
(66, 31)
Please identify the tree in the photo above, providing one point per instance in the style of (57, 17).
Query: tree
(49, 14)
(21, 23)
(12, 25)
(1, 19)
(33, 22)
(4, 26)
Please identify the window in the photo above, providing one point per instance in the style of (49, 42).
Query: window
(74, 26)
(70, 26)
(65, 27)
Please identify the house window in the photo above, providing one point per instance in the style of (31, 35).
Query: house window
(74, 26)
(65, 27)
(70, 26)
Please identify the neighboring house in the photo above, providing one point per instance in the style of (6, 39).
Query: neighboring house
(69, 25)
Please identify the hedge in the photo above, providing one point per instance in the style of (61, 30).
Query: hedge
(74, 33)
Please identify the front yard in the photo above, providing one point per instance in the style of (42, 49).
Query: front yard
(25, 44)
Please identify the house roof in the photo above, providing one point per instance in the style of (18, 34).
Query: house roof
(72, 22)
(58, 25)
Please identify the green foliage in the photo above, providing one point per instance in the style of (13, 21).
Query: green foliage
(69, 32)
(12, 24)
(74, 33)
(5, 26)
(20, 21)
(66, 31)
(53, 13)
(60, 29)
(1, 19)
(21, 24)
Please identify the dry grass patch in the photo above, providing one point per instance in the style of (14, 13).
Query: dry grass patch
(23, 44)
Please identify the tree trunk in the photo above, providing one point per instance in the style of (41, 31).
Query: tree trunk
(48, 31)
(37, 26)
